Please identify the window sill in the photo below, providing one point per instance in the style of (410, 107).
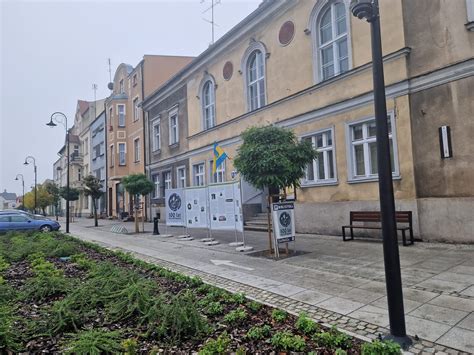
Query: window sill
(370, 179)
(122, 164)
(322, 183)
(158, 151)
(174, 145)
(137, 161)
(470, 26)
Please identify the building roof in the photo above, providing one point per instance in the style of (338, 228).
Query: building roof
(9, 196)
(83, 106)
(74, 138)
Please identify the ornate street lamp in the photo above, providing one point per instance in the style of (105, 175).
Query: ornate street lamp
(369, 10)
(27, 162)
(23, 186)
(59, 117)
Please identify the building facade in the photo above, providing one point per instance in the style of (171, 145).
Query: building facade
(99, 158)
(8, 200)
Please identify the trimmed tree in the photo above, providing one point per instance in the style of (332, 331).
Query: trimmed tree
(136, 185)
(272, 157)
(93, 188)
(53, 191)
(72, 195)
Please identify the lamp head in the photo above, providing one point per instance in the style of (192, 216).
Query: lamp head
(16, 178)
(25, 163)
(51, 123)
(363, 9)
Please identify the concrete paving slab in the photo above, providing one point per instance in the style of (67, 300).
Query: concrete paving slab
(374, 286)
(408, 305)
(424, 328)
(360, 295)
(311, 297)
(442, 285)
(468, 322)
(286, 290)
(462, 304)
(458, 338)
(439, 314)
(418, 295)
(462, 269)
(468, 291)
(455, 277)
(372, 314)
(340, 305)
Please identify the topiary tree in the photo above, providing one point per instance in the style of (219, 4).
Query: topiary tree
(136, 185)
(93, 188)
(53, 191)
(272, 157)
(72, 195)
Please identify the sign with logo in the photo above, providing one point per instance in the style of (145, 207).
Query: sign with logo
(175, 213)
(283, 214)
(225, 207)
(196, 208)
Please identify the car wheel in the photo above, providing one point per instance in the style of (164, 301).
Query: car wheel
(46, 228)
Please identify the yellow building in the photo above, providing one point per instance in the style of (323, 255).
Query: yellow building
(306, 65)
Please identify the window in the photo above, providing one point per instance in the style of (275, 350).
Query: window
(86, 146)
(134, 80)
(136, 110)
(102, 173)
(110, 117)
(136, 149)
(156, 181)
(122, 152)
(79, 175)
(198, 174)
(122, 89)
(167, 180)
(333, 55)
(121, 115)
(256, 80)
(208, 104)
(156, 135)
(363, 145)
(18, 219)
(112, 156)
(219, 175)
(322, 169)
(76, 150)
(174, 133)
(181, 177)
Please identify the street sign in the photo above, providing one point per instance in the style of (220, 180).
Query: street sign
(283, 214)
(175, 213)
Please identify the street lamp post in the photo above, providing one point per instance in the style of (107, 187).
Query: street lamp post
(59, 117)
(369, 9)
(23, 187)
(27, 159)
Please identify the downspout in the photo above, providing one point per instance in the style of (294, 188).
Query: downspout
(106, 167)
(145, 138)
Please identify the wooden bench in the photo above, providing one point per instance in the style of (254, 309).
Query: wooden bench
(403, 217)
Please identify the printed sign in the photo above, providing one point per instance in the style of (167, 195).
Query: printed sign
(175, 213)
(196, 208)
(283, 222)
(225, 206)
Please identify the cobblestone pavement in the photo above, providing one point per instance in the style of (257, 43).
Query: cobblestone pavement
(336, 283)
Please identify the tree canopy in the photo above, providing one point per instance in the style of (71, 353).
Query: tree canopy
(271, 156)
(43, 197)
(72, 196)
(137, 184)
(93, 188)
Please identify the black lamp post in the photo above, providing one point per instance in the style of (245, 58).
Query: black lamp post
(23, 187)
(60, 117)
(369, 9)
(27, 159)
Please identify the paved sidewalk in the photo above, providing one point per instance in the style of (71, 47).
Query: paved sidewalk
(335, 282)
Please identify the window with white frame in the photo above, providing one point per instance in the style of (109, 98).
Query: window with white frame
(219, 175)
(122, 153)
(208, 104)
(156, 135)
(333, 54)
(136, 149)
(136, 110)
(363, 145)
(112, 156)
(122, 88)
(256, 80)
(322, 169)
(156, 181)
(167, 180)
(181, 177)
(121, 115)
(198, 174)
(173, 124)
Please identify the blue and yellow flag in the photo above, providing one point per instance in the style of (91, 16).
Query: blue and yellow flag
(219, 157)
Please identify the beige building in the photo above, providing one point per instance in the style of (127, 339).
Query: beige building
(306, 66)
(125, 134)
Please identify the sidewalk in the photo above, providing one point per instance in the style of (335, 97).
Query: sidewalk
(334, 282)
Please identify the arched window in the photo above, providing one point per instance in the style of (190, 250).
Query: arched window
(208, 104)
(256, 80)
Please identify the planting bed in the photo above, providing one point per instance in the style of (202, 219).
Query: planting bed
(58, 294)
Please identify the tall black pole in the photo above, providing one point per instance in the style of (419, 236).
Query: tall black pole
(393, 279)
(67, 179)
(36, 176)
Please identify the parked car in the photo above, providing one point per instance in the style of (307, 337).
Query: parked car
(26, 213)
(19, 222)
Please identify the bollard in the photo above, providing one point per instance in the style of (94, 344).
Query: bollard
(155, 224)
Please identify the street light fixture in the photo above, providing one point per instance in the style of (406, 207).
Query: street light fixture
(59, 117)
(27, 162)
(369, 10)
(23, 186)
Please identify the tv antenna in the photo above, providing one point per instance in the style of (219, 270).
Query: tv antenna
(110, 85)
(94, 87)
(214, 3)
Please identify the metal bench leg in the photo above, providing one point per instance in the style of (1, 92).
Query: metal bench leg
(352, 234)
(412, 240)
(343, 234)
(404, 238)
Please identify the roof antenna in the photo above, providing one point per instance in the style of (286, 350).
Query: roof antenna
(214, 3)
(111, 84)
(94, 87)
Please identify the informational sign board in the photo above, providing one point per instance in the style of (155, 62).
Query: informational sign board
(175, 207)
(225, 206)
(196, 208)
(283, 215)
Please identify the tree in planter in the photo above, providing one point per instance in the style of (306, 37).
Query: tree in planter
(93, 188)
(272, 157)
(53, 191)
(72, 195)
(136, 185)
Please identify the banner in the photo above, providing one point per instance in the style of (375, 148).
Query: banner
(225, 206)
(196, 208)
(174, 201)
(283, 214)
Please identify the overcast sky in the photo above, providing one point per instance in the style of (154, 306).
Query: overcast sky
(52, 52)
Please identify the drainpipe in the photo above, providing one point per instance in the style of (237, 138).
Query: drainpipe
(145, 138)
(106, 167)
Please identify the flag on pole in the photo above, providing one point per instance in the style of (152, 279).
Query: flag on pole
(219, 157)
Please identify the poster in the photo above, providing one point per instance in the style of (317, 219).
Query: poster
(283, 215)
(225, 206)
(175, 207)
(196, 208)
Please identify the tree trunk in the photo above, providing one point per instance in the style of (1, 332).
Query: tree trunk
(135, 207)
(94, 203)
(269, 222)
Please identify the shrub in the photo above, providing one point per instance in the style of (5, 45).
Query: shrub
(214, 308)
(82, 261)
(287, 341)
(64, 317)
(333, 339)
(3, 264)
(279, 316)
(216, 347)
(48, 280)
(378, 347)
(236, 316)
(239, 298)
(94, 342)
(254, 306)
(130, 346)
(257, 333)
(306, 325)
(9, 339)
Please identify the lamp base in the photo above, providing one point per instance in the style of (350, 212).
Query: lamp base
(404, 342)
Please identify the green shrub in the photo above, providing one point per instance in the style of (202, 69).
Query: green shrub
(378, 347)
(216, 347)
(279, 316)
(288, 342)
(64, 317)
(333, 339)
(48, 280)
(94, 342)
(214, 309)
(82, 261)
(236, 316)
(239, 298)
(257, 333)
(339, 351)
(3, 264)
(9, 339)
(306, 325)
(130, 346)
(254, 306)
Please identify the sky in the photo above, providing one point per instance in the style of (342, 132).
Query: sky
(52, 52)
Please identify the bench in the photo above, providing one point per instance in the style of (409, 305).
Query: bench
(403, 217)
